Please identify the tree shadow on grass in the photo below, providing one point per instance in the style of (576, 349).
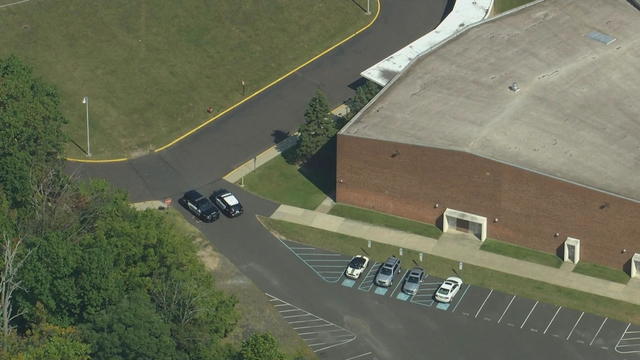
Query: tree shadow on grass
(320, 169)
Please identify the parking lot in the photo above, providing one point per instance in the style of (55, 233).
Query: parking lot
(486, 305)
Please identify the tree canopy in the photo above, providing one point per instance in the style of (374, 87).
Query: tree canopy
(92, 277)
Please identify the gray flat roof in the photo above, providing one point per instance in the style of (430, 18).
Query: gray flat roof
(576, 116)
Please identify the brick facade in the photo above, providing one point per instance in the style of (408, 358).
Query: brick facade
(408, 180)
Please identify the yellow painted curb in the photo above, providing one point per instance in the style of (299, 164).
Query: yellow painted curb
(97, 161)
(232, 107)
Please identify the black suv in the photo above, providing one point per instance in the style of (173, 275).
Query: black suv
(227, 203)
(199, 206)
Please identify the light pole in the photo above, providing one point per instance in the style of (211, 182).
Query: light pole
(368, 11)
(85, 100)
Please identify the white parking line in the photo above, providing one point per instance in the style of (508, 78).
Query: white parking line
(292, 316)
(527, 318)
(507, 308)
(553, 318)
(312, 326)
(484, 302)
(359, 356)
(598, 332)
(574, 326)
(621, 337)
(461, 297)
(399, 282)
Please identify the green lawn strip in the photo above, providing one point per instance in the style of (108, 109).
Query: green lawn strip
(601, 272)
(151, 69)
(256, 314)
(521, 253)
(386, 220)
(500, 6)
(442, 267)
(282, 182)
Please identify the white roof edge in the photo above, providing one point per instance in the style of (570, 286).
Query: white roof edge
(464, 14)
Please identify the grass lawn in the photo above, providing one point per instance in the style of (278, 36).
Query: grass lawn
(601, 272)
(500, 6)
(475, 275)
(256, 314)
(286, 183)
(390, 221)
(521, 253)
(151, 69)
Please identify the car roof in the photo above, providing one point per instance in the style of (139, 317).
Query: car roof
(391, 261)
(192, 195)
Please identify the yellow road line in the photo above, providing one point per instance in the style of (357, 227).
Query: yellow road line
(97, 161)
(232, 107)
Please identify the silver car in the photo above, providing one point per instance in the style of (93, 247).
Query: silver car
(386, 272)
(413, 280)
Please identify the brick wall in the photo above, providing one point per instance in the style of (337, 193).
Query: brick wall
(408, 180)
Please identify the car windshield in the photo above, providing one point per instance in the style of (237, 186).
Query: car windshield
(205, 205)
(443, 291)
(357, 263)
(413, 279)
(386, 271)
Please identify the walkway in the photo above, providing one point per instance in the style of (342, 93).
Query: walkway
(459, 247)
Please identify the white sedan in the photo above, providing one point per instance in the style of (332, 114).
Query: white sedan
(448, 289)
(356, 266)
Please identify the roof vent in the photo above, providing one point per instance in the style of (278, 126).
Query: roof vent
(514, 87)
(603, 38)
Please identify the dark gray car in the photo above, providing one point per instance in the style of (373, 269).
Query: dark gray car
(413, 280)
(386, 272)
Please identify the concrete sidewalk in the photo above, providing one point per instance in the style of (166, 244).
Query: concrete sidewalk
(461, 247)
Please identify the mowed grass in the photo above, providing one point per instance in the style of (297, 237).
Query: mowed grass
(521, 253)
(500, 6)
(151, 69)
(602, 272)
(442, 267)
(287, 183)
(386, 220)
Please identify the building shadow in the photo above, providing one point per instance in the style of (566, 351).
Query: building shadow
(320, 169)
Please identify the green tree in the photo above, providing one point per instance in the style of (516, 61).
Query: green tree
(363, 95)
(130, 330)
(48, 342)
(261, 347)
(318, 128)
(31, 134)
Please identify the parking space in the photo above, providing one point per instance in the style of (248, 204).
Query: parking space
(330, 266)
(427, 289)
(563, 323)
(629, 342)
(367, 281)
(586, 329)
(542, 316)
(518, 313)
(318, 333)
(475, 302)
(471, 300)
(495, 305)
